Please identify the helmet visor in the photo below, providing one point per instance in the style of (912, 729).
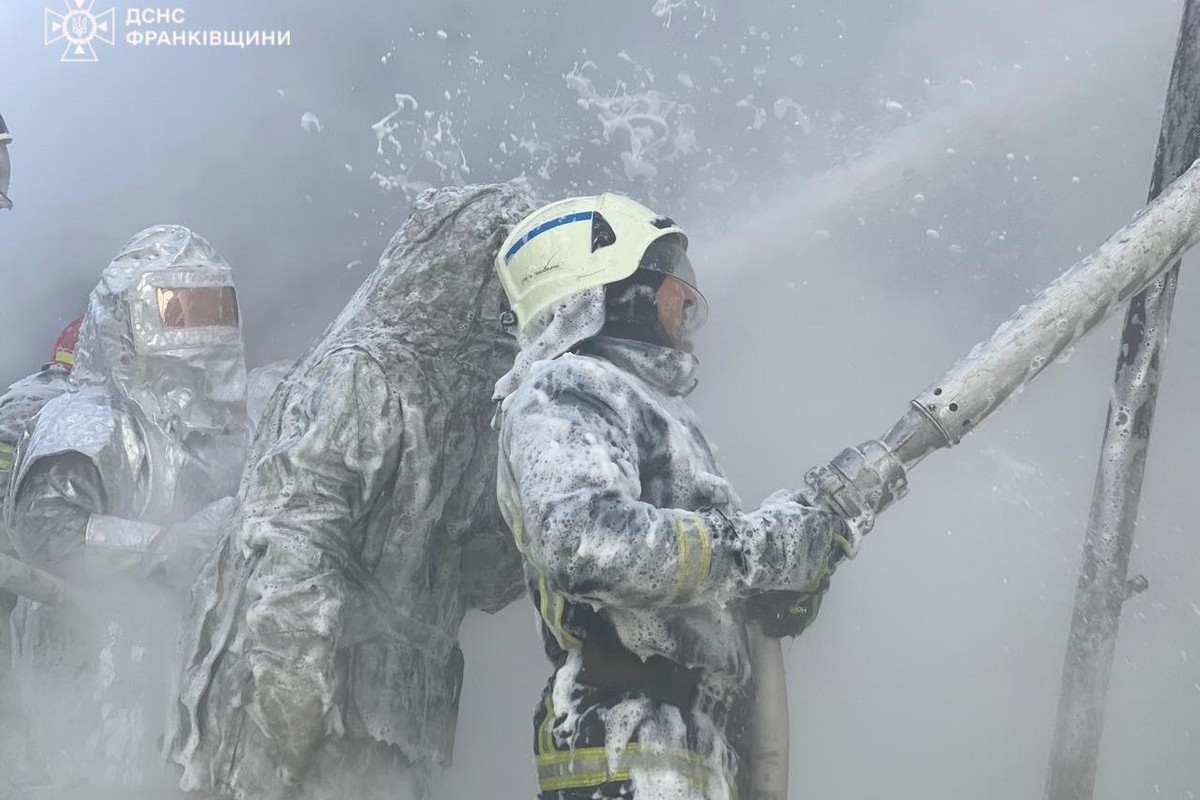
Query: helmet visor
(682, 309)
(668, 256)
(198, 307)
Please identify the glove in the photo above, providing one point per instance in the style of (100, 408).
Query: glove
(171, 553)
(783, 613)
(858, 484)
(848, 535)
(183, 547)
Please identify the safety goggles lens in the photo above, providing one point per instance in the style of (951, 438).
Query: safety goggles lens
(198, 307)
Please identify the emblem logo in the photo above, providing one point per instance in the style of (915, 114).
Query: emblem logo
(79, 27)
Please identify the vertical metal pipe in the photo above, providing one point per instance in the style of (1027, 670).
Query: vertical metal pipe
(1103, 579)
(770, 730)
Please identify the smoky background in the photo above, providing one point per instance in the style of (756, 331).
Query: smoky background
(869, 187)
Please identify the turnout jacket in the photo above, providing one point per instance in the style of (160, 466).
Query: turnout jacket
(630, 532)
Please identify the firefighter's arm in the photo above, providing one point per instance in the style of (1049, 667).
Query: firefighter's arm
(50, 509)
(573, 503)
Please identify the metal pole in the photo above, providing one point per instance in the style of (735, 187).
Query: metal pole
(1103, 585)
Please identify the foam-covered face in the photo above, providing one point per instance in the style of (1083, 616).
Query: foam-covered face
(5, 176)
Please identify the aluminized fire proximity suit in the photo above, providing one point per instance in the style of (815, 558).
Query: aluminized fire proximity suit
(120, 481)
(21, 403)
(18, 406)
(324, 662)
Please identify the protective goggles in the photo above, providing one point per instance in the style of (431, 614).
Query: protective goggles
(197, 307)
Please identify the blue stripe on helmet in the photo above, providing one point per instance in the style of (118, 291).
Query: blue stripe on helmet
(578, 216)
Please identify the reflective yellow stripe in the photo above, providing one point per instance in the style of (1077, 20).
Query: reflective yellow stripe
(552, 605)
(583, 780)
(695, 558)
(6, 456)
(545, 736)
(567, 638)
(823, 570)
(64, 357)
(706, 547)
(683, 539)
(590, 766)
(519, 532)
(632, 750)
(511, 508)
(544, 598)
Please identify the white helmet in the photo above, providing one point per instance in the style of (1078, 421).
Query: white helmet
(557, 264)
(581, 243)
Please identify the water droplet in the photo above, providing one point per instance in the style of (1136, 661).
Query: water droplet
(310, 123)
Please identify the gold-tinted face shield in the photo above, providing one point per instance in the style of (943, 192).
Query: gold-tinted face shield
(197, 307)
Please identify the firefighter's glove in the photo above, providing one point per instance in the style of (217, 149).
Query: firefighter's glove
(789, 612)
(782, 613)
(848, 528)
(184, 546)
(172, 554)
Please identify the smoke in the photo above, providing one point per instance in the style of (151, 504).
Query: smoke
(869, 188)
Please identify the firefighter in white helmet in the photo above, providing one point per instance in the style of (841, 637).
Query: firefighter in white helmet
(639, 558)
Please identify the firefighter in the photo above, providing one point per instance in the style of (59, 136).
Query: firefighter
(640, 560)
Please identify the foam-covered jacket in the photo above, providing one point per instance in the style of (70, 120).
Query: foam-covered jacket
(629, 529)
(324, 658)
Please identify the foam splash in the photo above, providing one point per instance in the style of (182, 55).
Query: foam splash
(653, 127)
